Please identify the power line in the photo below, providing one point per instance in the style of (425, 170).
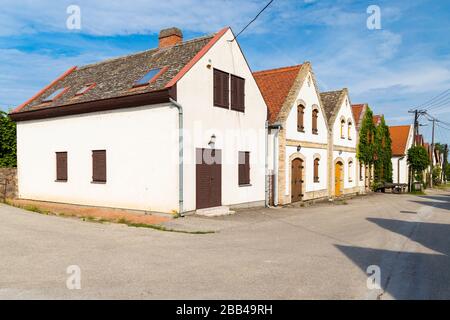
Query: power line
(432, 100)
(254, 19)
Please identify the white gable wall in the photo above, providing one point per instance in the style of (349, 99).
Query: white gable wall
(348, 150)
(234, 131)
(308, 97)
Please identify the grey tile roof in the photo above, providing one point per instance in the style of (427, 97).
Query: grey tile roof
(331, 102)
(115, 77)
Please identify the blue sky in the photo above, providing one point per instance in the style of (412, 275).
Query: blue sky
(404, 64)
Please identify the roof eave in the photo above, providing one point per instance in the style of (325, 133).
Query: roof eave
(122, 102)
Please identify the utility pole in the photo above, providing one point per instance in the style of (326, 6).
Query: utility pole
(432, 152)
(417, 113)
(444, 169)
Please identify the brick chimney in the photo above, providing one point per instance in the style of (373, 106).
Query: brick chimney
(170, 37)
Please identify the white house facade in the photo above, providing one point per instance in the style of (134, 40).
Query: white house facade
(298, 133)
(402, 140)
(176, 128)
(342, 143)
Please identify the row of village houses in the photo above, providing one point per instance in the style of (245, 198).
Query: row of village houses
(187, 126)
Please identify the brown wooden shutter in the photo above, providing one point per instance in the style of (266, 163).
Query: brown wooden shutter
(61, 166)
(315, 115)
(99, 166)
(237, 93)
(221, 89)
(244, 168)
(300, 113)
(316, 170)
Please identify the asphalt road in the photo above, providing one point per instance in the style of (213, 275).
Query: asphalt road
(321, 252)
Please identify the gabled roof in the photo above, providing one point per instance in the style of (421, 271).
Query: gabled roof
(399, 137)
(332, 101)
(358, 111)
(115, 78)
(275, 86)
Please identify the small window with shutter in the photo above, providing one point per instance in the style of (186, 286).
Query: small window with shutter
(61, 166)
(316, 170)
(221, 89)
(315, 116)
(300, 118)
(99, 166)
(237, 93)
(244, 168)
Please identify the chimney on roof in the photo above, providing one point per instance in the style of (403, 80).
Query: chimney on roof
(170, 37)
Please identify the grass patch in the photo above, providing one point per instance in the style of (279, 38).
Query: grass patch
(417, 193)
(159, 227)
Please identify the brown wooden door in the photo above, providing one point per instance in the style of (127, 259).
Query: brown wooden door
(297, 180)
(338, 179)
(208, 178)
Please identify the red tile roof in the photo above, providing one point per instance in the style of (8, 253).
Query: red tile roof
(357, 110)
(399, 137)
(275, 86)
(376, 119)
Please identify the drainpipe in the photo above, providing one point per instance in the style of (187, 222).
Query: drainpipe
(267, 164)
(180, 157)
(277, 128)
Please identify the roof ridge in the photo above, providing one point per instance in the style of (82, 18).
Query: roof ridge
(401, 125)
(145, 51)
(276, 70)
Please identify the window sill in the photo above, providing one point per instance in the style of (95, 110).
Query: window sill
(245, 185)
(98, 182)
(315, 133)
(316, 181)
(301, 130)
(61, 181)
(222, 107)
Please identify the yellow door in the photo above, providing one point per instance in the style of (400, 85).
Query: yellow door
(338, 179)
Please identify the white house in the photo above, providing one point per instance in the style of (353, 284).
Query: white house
(342, 143)
(402, 139)
(359, 111)
(173, 129)
(298, 134)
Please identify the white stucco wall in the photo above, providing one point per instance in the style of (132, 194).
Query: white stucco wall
(309, 155)
(142, 162)
(400, 164)
(234, 131)
(345, 112)
(346, 157)
(309, 98)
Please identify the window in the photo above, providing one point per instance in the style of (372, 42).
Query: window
(244, 168)
(300, 116)
(99, 166)
(315, 116)
(316, 169)
(350, 171)
(342, 129)
(55, 95)
(237, 93)
(61, 166)
(349, 129)
(85, 89)
(149, 77)
(221, 89)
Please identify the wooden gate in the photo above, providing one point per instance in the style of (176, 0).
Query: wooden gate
(208, 178)
(297, 180)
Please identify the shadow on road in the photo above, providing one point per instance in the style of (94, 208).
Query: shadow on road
(441, 201)
(410, 275)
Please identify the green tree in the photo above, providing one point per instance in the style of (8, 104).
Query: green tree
(418, 160)
(8, 146)
(366, 151)
(383, 153)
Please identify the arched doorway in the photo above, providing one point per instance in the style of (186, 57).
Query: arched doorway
(338, 178)
(297, 180)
